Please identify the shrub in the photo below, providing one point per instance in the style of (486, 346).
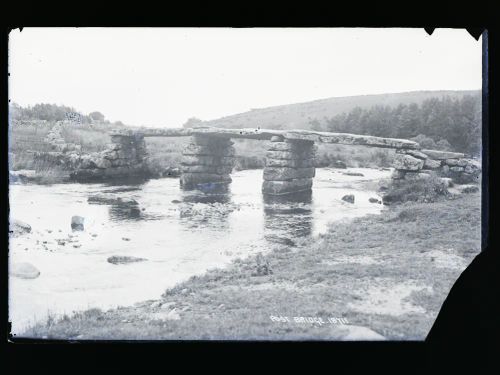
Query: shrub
(424, 190)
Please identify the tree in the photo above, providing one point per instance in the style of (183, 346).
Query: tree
(96, 116)
(192, 122)
(315, 125)
(443, 145)
(424, 141)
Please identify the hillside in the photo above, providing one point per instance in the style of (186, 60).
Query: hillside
(299, 115)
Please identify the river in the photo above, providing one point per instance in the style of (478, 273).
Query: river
(180, 234)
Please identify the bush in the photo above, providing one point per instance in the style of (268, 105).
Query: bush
(424, 190)
(424, 141)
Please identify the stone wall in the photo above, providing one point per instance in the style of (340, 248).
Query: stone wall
(126, 156)
(289, 166)
(417, 164)
(207, 160)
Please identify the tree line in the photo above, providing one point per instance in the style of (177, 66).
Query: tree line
(442, 123)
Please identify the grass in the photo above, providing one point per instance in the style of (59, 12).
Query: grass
(316, 278)
(353, 156)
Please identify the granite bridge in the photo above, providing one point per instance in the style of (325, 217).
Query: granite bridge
(209, 157)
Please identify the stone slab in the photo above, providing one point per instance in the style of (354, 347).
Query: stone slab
(291, 155)
(442, 155)
(267, 134)
(213, 150)
(415, 153)
(431, 164)
(407, 162)
(286, 173)
(217, 169)
(298, 163)
(207, 160)
(293, 146)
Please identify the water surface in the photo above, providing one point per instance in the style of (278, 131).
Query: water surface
(179, 233)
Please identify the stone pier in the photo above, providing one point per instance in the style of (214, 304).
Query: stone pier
(289, 166)
(207, 160)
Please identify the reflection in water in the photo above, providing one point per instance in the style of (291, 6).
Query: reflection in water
(206, 208)
(123, 207)
(127, 183)
(125, 211)
(287, 217)
(180, 233)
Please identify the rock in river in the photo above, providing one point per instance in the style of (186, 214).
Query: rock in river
(374, 200)
(18, 228)
(24, 271)
(339, 164)
(348, 198)
(77, 222)
(122, 259)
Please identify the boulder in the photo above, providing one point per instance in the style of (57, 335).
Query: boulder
(123, 259)
(398, 174)
(348, 198)
(109, 199)
(86, 162)
(407, 162)
(431, 164)
(374, 200)
(455, 162)
(472, 169)
(18, 228)
(77, 222)
(101, 162)
(339, 164)
(24, 270)
(468, 189)
(415, 153)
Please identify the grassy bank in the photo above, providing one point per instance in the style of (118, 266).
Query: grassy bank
(389, 273)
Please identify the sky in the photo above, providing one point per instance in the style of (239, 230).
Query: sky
(162, 76)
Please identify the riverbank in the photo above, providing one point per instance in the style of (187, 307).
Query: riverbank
(384, 275)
